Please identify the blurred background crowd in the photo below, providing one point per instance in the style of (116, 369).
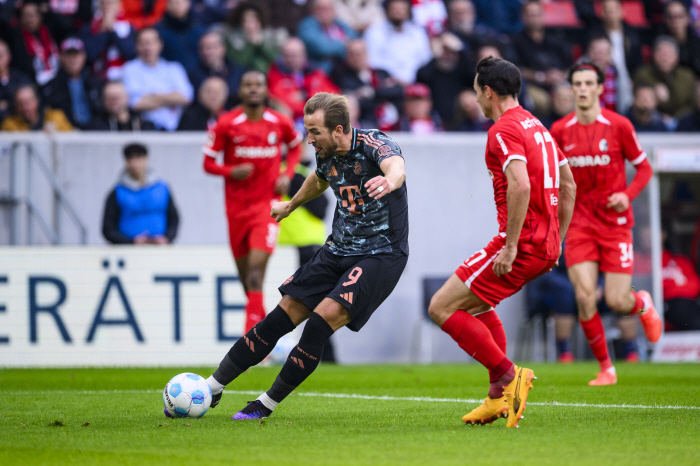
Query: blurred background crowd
(405, 65)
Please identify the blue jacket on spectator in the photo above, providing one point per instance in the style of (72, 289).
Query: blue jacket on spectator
(323, 50)
(132, 210)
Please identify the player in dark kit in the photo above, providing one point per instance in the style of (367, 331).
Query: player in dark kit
(353, 273)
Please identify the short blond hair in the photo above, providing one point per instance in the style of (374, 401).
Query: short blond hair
(335, 110)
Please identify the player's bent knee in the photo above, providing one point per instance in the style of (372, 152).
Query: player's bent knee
(295, 309)
(618, 304)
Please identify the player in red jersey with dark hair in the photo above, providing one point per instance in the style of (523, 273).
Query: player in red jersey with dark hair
(529, 175)
(597, 143)
(251, 138)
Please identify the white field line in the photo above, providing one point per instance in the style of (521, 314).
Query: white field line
(349, 396)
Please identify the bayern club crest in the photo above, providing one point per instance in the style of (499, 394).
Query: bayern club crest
(272, 138)
(357, 168)
(603, 145)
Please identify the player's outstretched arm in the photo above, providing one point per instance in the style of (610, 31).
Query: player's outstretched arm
(312, 188)
(394, 176)
(518, 199)
(567, 199)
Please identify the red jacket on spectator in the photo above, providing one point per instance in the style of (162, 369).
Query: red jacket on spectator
(293, 90)
(680, 280)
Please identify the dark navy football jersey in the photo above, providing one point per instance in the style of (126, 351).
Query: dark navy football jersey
(362, 224)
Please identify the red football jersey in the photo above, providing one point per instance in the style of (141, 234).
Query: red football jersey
(518, 135)
(258, 142)
(597, 154)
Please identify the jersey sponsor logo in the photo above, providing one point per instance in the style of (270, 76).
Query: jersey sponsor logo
(553, 199)
(589, 160)
(603, 145)
(531, 123)
(272, 138)
(254, 152)
(357, 168)
(384, 150)
(569, 147)
(503, 144)
(238, 139)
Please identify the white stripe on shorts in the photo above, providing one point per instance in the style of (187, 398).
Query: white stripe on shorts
(478, 272)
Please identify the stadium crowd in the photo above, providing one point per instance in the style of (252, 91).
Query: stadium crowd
(405, 65)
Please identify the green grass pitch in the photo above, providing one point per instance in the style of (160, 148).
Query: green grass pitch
(44, 416)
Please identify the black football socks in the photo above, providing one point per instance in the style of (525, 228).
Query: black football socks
(254, 346)
(302, 361)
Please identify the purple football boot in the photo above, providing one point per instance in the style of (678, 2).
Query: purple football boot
(254, 410)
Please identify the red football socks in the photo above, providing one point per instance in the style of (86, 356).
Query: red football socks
(595, 334)
(495, 326)
(639, 304)
(254, 309)
(475, 338)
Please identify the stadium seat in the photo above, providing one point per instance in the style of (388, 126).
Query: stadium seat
(560, 14)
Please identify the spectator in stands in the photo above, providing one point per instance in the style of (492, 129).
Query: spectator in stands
(562, 104)
(212, 12)
(681, 285)
(116, 115)
(431, 15)
(677, 25)
(292, 81)
(371, 87)
(691, 123)
(468, 114)
(419, 116)
(109, 40)
(359, 14)
(501, 15)
(626, 45)
(396, 44)
(617, 93)
(213, 62)
(286, 14)
(64, 18)
(10, 78)
(674, 84)
(462, 22)
(140, 209)
(543, 58)
(34, 49)
(180, 32)
(144, 13)
(30, 115)
(74, 90)
(447, 74)
(325, 36)
(156, 87)
(250, 42)
(210, 104)
(644, 116)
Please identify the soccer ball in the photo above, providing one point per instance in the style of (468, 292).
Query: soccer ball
(187, 395)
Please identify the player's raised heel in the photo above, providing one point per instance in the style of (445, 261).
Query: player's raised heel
(516, 394)
(254, 410)
(490, 410)
(651, 322)
(215, 399)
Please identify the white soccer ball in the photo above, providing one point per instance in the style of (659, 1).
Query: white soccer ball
(187, 395)
(284, 346)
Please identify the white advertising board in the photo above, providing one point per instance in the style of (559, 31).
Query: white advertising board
(124, 306)
(677, 347)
